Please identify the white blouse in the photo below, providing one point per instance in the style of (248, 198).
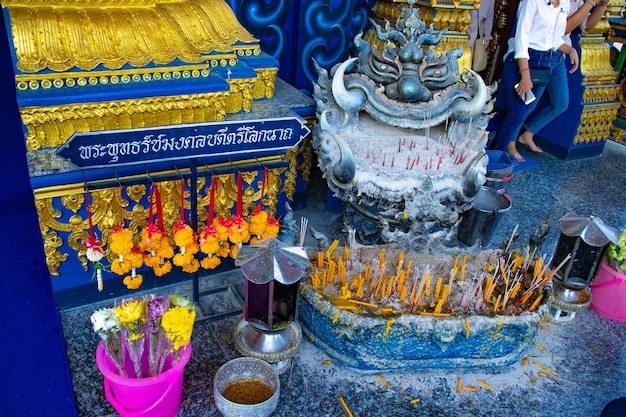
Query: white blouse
(540, 26)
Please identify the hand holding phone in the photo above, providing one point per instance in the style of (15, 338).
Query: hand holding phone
(530, 97)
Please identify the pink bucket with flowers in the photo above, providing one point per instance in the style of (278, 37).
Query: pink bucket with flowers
(143, 352)
(153, 396)
(608, 293)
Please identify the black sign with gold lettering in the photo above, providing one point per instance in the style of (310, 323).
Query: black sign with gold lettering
(123, 147)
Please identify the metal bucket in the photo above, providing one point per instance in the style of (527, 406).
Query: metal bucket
(481, 219)
(500, 164)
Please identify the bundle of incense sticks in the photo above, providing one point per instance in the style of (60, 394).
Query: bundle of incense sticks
(369, 282)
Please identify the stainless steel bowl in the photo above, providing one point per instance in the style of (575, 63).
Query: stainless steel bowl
(247, 369)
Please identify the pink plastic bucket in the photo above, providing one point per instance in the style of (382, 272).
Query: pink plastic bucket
(608, 293)
(157, 396)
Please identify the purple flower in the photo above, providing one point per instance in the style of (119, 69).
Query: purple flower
(155, 308)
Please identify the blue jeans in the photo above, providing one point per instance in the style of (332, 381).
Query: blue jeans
(515, 111)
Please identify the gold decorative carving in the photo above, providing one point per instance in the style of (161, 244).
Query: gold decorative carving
(240, 97)
(52, 126)
(58, 38)
(265, 83)
(595, 60)
(595, 123)
(600, 93)
(78, 80)
(451, 17)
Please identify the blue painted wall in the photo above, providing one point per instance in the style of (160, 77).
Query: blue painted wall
(297, 31)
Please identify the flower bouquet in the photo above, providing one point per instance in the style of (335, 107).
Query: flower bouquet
(616, 253)
(139, 335)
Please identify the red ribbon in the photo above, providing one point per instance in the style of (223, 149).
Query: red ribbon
(239, 195)
(211, 214)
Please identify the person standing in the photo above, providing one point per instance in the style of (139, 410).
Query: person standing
(584, 14)
(539, 42)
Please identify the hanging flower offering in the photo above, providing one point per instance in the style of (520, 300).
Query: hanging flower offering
(238, 227)
(93, 249)
(147, 330)
(212, 241)
(262, 225)
(185, 238)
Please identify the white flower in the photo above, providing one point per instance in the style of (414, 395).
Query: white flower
(104, 321)
(94, 255)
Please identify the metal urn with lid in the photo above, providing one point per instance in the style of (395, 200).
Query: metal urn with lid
(576, 259)
(269, 329)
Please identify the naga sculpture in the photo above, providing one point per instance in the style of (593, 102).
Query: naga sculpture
(401, 135)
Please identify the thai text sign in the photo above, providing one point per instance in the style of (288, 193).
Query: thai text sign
(122, 147)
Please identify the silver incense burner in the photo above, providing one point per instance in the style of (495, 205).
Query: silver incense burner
(576, 259)
(269, 329)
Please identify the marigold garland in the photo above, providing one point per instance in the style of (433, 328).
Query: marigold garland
(184, 238)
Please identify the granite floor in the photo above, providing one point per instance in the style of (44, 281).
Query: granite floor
(588, 354)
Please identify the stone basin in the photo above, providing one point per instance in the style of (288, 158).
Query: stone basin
(376, 343)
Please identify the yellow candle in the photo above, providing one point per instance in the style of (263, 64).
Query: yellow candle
(427, 283)
(382, 380)
(336, 316)
(495, 307)
(535, 303)
(545, 368)
(363, 303)
(484, 384)
(438, 287)
(331, 249)
(468, 388)
(415, 400)
(381, 257)
(444, 293)
(403, 294)
(515, 289)
(458, 386)
(320, 259)
(345, 406)
(439, 305)
(401, 278)
(331, 272)
(346, 254)
(383, 289)
(467, 328)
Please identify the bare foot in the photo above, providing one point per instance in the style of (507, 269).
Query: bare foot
(513, 151)
(527, 139)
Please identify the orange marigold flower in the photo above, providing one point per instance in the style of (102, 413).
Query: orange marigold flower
(183, 235)
(182, 259)
(192, 266)
(165, 249)
(224, 250)
(121, 241)
(120, 266)
(271, 231)
(152, 261)
(210, 262)
(133, 282)
(162, 269)
(135, 258)
(258, 223)
(210, 245)
(234, 250)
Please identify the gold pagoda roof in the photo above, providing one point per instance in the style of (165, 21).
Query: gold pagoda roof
(61, 35)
